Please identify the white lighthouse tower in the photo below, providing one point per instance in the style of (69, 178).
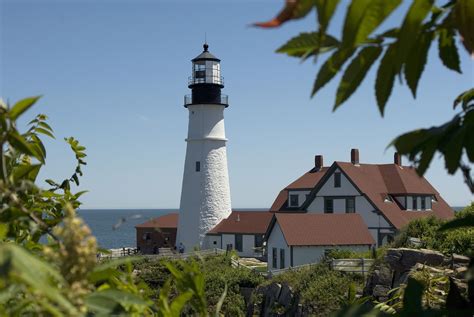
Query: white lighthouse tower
(205, 195)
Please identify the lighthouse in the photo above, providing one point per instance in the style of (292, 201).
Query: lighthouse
(205, 194)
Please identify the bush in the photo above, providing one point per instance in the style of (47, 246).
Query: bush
(460, 241)
(321, 289)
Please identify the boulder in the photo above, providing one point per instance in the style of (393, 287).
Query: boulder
(403, 259)
(271, 294)
(286, 296)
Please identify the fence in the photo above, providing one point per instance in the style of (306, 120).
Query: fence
(169, 255)
(360, 266)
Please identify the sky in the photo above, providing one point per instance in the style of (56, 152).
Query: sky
(113, 75)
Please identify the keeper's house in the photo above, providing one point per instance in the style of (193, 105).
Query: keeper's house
(350, 201)
(297, 239)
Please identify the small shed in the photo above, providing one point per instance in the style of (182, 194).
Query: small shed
(157, 233)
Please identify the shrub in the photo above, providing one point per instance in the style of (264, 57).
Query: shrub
(460, 241)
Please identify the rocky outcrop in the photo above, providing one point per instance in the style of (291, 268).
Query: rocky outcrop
(399, 264)
(276, 300)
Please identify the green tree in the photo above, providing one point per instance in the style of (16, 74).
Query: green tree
(403, 53)
(63, 277)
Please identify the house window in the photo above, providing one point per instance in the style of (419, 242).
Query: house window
(294, 202)
(258, 240)
(423, 203)
(328, 206)
(147, 236)
(198, 166)
(215, 242)
(274, 258)
(415, 201)
(337, 179)
(429, 201)
(282, 258)
(350, 205)
(238, 242)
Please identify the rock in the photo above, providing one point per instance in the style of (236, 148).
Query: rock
(271, 294)
(381, 275)
(286, 296)
(403, 259)
(456, 261)
(380, 291)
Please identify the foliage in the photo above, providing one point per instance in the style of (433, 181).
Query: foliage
(62, 277)
(460, 241)
(219, 278)
(403, 53)
(320, 289)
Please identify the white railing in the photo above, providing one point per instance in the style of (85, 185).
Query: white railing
(170, 255)
(361, 266)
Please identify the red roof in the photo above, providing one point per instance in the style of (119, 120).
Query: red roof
(323, 229)
(377, 181)
(307, 181)
(251, 222)
(165, 221)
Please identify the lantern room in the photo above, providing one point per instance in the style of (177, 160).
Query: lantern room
(206, 69)
(206, 81)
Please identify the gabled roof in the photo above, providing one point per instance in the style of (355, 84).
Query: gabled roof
(322, 229)
(250, 222)
(307, 181)
(165, 221)
(377, 181)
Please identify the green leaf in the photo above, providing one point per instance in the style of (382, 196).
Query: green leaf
(75, 178)
(24, 268)
(377, 11)
(465, 98)
(45, 132)
(121, 297)
(453, 149)
(45, 126)
(21, 106)
(52, 183)
(448, 52)
(26, 171)
(354, 16)
(385, 77)
(178, 303)
(411, 27)
(221, 301)
(20, 144)
(3, 230)
(325, 11)
(330, 68)
(416, 60)
(355, 73)
(307, 44)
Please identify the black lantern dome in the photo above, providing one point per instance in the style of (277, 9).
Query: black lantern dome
(206, 81)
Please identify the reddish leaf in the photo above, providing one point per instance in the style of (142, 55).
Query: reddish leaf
(294, 9)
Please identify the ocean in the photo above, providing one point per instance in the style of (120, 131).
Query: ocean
(115, 228)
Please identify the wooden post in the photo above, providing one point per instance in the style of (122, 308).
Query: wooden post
(363, 270)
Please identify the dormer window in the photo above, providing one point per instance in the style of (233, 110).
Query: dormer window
(337, 179)
(294, 200)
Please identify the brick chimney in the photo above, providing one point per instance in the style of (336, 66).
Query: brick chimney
(397, 159)
(318, 162)
(355, 156)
